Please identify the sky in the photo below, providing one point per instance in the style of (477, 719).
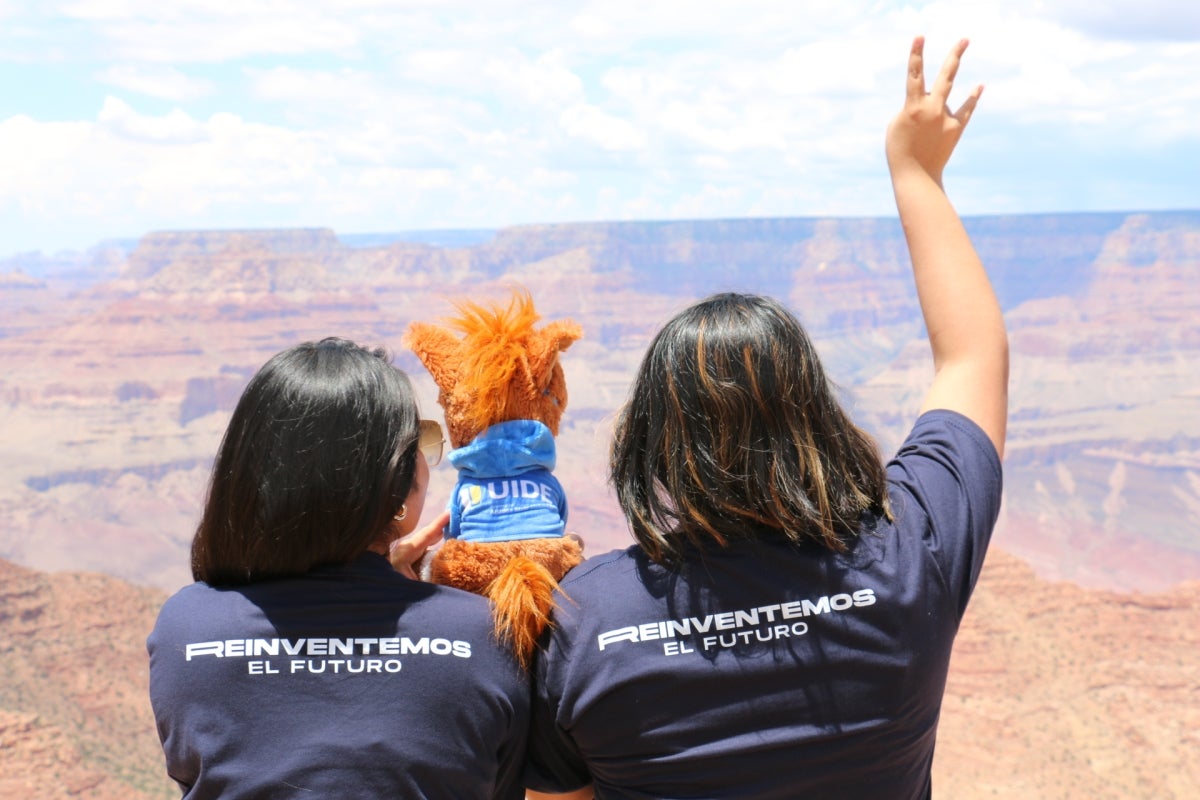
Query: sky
(119, 117)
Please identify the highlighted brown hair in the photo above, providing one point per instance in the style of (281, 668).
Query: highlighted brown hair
(732, 430)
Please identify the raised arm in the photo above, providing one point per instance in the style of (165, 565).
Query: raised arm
(962, 315)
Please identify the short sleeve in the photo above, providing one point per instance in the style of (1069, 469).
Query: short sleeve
(947, 475)
(553, 763)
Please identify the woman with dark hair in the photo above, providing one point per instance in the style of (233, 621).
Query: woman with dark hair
(301, 662)
(783, 626)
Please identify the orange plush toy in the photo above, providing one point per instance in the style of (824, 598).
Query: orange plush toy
(503, 393)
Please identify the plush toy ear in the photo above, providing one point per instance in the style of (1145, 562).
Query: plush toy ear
(546, 344)
(438, 349)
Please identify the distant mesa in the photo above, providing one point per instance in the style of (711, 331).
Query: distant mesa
(17, 280)
(101, 477)
(158, 249)
(115, 397)
(135, 390)
(206, 396)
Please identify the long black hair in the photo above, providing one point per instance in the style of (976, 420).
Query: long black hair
(319, 454)
(732, 430)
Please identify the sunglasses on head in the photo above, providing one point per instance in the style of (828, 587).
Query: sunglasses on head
(431, 441)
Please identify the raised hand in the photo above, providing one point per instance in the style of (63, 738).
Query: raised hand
(965, 326)
(923, 135)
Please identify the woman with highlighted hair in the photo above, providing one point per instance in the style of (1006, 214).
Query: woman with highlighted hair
(783, 626)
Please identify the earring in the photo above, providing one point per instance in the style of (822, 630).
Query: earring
(403, 513)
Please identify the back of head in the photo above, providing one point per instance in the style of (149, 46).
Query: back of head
(732, 430)
(319, 454)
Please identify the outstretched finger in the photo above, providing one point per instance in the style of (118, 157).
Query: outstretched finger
(915, 85)
(412, 546)
(963, 115)
(945, 79)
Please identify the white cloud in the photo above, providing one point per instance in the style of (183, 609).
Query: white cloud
(746, 26)
(163, 82)
(541, 178)
(590, 124)
(173, 128)
(316, 92)
(369, 114)
(441, 66)
(710, 201)
(200, 31)
(544, 81)
(39, 163)
(1145, 20)
(130, 172)
(161, 169)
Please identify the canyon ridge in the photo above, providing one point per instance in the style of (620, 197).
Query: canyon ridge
(122, 364)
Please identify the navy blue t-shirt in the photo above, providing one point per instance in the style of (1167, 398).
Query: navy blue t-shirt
(766, 669)
(352, 681)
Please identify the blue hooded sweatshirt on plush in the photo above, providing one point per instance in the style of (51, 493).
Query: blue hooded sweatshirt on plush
(505, 490)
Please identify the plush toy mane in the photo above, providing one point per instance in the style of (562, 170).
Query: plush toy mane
(496, 343)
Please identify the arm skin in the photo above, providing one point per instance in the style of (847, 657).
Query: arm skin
(408, 550)
(966, 329)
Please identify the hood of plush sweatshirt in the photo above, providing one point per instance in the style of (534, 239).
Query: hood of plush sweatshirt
(506, 449)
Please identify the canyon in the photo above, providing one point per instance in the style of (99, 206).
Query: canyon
(1077, 661)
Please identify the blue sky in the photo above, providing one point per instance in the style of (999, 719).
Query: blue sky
(118, 117)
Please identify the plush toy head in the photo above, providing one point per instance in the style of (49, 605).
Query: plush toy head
(500, 369)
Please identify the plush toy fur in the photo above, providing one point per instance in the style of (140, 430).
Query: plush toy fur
(491, 366)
